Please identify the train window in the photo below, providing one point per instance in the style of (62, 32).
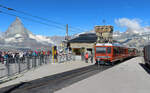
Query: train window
(108, 49)
(100, 49)
(116, 50)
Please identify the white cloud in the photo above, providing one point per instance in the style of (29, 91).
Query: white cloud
(132, 25)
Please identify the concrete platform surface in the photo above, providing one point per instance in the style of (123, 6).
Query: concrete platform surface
(46, 70)
(127, 77)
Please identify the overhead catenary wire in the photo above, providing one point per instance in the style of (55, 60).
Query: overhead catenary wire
(41, 18)
(30, 19)
(36, 21)
(28, 14)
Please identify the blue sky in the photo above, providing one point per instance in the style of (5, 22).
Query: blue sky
(84, 14)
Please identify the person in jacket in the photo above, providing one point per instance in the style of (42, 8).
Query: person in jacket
(86, 57)
(91, 57)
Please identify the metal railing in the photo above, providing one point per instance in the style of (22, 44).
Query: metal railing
(13, 66)
(65, 57)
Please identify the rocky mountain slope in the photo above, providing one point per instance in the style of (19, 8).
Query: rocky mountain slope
(18, 36)
(132, 39)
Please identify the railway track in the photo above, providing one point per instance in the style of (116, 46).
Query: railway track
(55, 82)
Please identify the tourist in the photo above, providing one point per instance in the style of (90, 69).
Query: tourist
(86, 57)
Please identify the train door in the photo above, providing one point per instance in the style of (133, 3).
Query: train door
(115, 53)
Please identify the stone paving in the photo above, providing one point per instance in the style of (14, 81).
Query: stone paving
(46, 70)
(127, 77)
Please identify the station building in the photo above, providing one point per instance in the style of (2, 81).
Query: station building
(83, 43)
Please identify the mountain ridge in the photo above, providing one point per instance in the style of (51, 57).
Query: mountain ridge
(18, 36)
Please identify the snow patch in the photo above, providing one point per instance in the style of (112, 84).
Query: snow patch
(32, 36)
(12, 39)
(41, 39)
(18, 35)
(9, 39)
(44, 39)
(115, 35)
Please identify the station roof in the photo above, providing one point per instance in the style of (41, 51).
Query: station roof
(84, 38)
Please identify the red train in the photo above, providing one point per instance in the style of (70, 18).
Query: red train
(109, 53)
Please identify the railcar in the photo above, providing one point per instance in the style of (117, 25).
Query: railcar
(110, 53)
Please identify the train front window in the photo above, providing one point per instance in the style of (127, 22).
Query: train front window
(108, 49)
(100, 49)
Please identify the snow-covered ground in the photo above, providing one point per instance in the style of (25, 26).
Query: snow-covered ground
(47, 70)
(128, 77)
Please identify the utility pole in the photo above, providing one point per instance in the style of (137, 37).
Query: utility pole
(67, 32)
(67, 38)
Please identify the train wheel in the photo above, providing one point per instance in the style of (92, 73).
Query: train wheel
(107, 63)
(146, 64)
(112, 63)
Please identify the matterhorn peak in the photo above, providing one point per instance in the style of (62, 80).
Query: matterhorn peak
(17, 28)
(17, 36)
(18, 20)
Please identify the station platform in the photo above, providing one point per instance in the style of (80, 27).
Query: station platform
(46, 70)
(127, 77)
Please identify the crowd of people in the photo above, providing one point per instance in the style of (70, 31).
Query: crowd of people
(4, 55)
(18, 54)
